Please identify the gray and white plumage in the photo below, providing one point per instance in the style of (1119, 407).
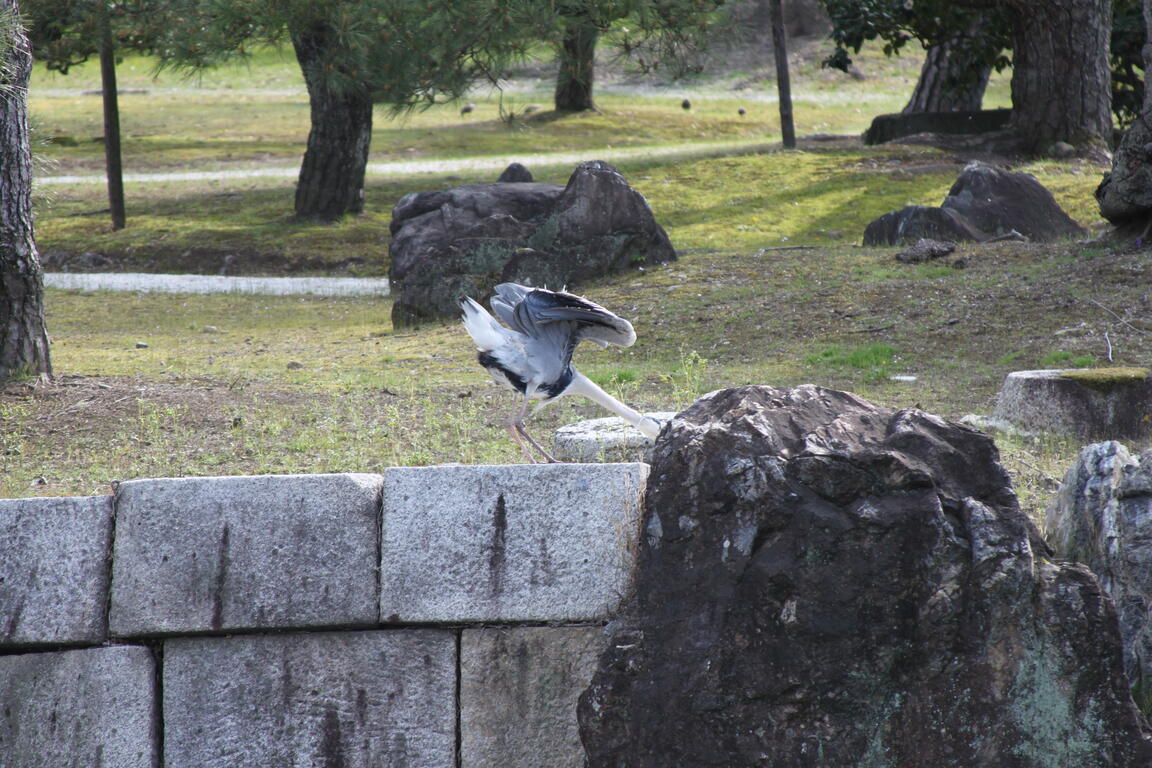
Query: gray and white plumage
(532, 352)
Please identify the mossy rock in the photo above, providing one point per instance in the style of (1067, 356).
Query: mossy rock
(1093, 404)
(1107, 378)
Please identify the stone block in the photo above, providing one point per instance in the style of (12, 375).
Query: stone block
(348, 699)
(1091, 404)
(607, 439)
(518, 692)
(54, 570)
(89, 707)
(543, 542)
(226, 553)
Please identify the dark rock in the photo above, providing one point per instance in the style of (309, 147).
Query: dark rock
(1102, 517)
(918, 222)
(828, 583)
(998, 201)
(890, 127)
(515, 174)
(925, 250)
(983, 204)
(466, 240)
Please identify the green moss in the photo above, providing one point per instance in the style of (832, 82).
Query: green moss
(1107, 378)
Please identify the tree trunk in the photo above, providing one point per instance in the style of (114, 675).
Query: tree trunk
(783, 82)
(936, 90)
(331, 182)
(1061, 81)
(23, 336)
(112, 162)
(1125, 194)
(577, 67)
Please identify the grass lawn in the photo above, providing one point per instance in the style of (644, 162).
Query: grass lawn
(151, 385)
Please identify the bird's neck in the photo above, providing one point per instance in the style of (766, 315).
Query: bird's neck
(583, 385)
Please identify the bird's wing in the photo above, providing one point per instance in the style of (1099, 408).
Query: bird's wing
(504, 302)
(590, 320)
(482, 327)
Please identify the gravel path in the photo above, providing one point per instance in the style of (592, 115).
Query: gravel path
(412, 167)
(270, 286)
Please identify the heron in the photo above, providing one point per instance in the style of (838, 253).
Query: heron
(533, 354)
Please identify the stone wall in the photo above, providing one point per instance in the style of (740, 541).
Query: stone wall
(434, 616)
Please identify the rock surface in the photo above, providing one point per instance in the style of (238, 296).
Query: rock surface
(516, 173)
(894, 126)
(518, 691)
(54, 570)
(325, 699)
(1102, 517)
(823, 582)
(466, 240)
(925, 250)
(92, 707)
(543, 542)
(223, 553)
(1085, 404)
(984, 202)
(604, 440)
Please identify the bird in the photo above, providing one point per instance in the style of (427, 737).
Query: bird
(741, 111)
(467, 109)
(686, 104)
(532, 352)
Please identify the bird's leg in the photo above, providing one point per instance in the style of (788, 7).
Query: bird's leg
(520, 442)
(518, 431)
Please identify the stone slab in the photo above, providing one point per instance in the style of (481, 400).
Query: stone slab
(544, 542)
(1061, 402)
(518, 692)
(607, 439)
(226, 553)
(54, 570)
(89, 707)
(349, 699)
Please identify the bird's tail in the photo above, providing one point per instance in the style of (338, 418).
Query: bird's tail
(481, 326)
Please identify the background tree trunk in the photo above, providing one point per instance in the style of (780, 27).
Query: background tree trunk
(1125, 194)
(1061, 82)
(112, 162)
(783, 82)
(331, 182)
(934, 90)
(23, 336)
(577, 67)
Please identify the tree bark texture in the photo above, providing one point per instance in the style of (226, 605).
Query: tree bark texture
(331, 182)
(112, 160)
(577, 67)
(935, 91)
(1061, 86)
(1125, 194)
(783, 82)
(23, 335)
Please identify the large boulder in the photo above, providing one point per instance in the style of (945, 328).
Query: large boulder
(823, 582)
(1102, 517)
(985, 202)
(466, 240)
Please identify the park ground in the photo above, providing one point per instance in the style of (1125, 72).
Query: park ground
(771, 287)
